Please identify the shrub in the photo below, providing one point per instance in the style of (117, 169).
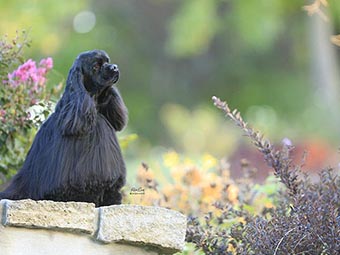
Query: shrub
(305, 219)
(24, 101)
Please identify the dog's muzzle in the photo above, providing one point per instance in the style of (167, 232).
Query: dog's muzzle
(111, 72)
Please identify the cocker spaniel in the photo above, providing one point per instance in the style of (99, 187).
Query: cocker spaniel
(75, 155)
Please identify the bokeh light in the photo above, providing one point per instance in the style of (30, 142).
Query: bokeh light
(84, 22)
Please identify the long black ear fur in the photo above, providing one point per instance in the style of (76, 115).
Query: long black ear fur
(76, 109)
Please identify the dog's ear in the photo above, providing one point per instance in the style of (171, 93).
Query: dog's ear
(76, 109)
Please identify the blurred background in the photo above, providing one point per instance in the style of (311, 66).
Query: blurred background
(269, 59)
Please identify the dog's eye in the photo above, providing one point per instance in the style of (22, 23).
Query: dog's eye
(96, 67)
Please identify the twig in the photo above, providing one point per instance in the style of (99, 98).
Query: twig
(281, 240)
(278, 160)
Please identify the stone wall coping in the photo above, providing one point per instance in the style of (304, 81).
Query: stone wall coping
(154, 227)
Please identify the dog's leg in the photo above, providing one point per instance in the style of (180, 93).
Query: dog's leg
(112, 195)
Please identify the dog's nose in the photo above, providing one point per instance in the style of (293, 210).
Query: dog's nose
(114, 67)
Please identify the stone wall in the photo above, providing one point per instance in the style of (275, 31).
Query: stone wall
(44, 227)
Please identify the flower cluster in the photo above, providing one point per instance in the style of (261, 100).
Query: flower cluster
(23, 88)
(31, 74)
(193, 186)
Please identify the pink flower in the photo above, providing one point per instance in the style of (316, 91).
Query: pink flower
(41, 71)
(2, 115)
(24, 72)
(34, 77)
(47, 63)
(22, 75)
(2, 112)
(28, 67)
(41, 81)
(31, 75)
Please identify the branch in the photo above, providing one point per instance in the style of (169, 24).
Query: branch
(280, 161)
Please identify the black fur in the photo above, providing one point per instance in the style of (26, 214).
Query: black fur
(75, 155)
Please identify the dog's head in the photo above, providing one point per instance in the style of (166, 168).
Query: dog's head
(96, 70)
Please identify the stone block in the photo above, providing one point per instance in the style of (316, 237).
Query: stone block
(155, 226)
(66, 216)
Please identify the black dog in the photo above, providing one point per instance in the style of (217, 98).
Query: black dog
(75, 155)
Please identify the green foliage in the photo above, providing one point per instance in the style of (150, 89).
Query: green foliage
(197, 131)
(249, 16)
(256, 52)
(193, 28)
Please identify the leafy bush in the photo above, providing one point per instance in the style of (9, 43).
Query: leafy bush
(24, 101)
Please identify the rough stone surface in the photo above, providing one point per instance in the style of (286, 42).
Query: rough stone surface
(157, 226)
(29, 227)
(70, 216)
